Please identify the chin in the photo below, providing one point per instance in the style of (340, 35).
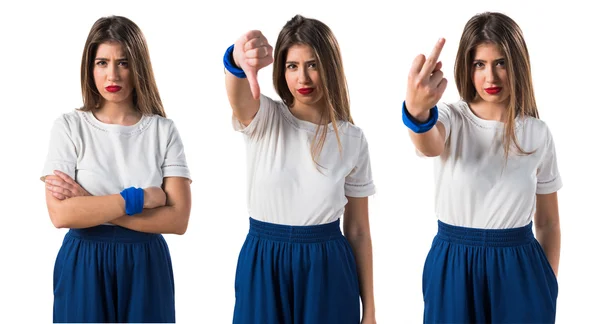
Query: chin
(308, 101)
(116, 97)
(493, 99)
(498, 100)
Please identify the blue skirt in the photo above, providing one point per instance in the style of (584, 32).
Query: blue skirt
(488, 276)
(113, 274)
(296, 274)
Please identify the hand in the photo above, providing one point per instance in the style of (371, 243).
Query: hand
(154, 197)
(252, 52)
(63, 186)
(426, 83)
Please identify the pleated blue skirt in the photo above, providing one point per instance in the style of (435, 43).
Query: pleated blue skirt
(296, 274)
(488, 276)
(113, 274)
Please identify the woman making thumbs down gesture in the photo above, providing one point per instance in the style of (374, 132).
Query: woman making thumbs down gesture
(308, 165)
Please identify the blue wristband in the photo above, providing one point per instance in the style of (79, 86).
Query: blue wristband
(134, 200)
(417, 126)
(230, 64)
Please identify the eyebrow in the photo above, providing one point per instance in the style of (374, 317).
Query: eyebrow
(308, 61)
(105, 59)
(484, 61)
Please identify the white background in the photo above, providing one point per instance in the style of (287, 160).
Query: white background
(40, 54)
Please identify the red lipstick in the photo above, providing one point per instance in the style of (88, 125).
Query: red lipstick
(493, 90)
(113, 88)
(305, 91)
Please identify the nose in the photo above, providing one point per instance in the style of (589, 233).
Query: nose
(490, 74)
(112, 73)
(303, 77)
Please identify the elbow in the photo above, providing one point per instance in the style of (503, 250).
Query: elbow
(180, 230)
(546, 225)
(58, 219)
(358, 235)
(432, 153)
(428, 144)
(242, 120)
(182, 225)
(61, 216)
(59, 213)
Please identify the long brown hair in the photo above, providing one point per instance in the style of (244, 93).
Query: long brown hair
(146, 98)
(317, 35)
(499, 29)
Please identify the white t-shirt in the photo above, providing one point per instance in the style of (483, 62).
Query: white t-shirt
(474, 187)
(107, 158)
(284, 184)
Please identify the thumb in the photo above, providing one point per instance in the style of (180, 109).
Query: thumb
(251, 74)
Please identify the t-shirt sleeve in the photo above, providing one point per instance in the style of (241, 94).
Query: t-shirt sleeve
(548, 177)
(62, 152)
(359, 183)
(445, 117)
(175, 164)
(262, 121)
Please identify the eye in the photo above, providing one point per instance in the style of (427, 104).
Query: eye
(478, 65)
(101, 63)
(312, 65)
(501, 63)
(291, 66)
(123, 64)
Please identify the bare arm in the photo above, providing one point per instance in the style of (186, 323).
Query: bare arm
(358, 233)
(251, 53)
(71, 206)
(426, 84)
(430, 143)
(84, 211)
(171, 218)
(547, 227)
(240, 97)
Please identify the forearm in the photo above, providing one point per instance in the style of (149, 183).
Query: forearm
(85, 211)
(430, 143)
(240, 98)
(549, 237)
(363, 253)
(165, 220)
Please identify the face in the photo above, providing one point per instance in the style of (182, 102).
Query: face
(112, 76)
(302, 75)
(489, 73)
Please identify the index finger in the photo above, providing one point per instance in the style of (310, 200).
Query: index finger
(433, 57)
(50, 177)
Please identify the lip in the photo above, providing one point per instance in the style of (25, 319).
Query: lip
(305, 91)
(113, 88)
(493, 90)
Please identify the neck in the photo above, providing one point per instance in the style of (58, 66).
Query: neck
(310, 113)
(489, 110)
(117, 113)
